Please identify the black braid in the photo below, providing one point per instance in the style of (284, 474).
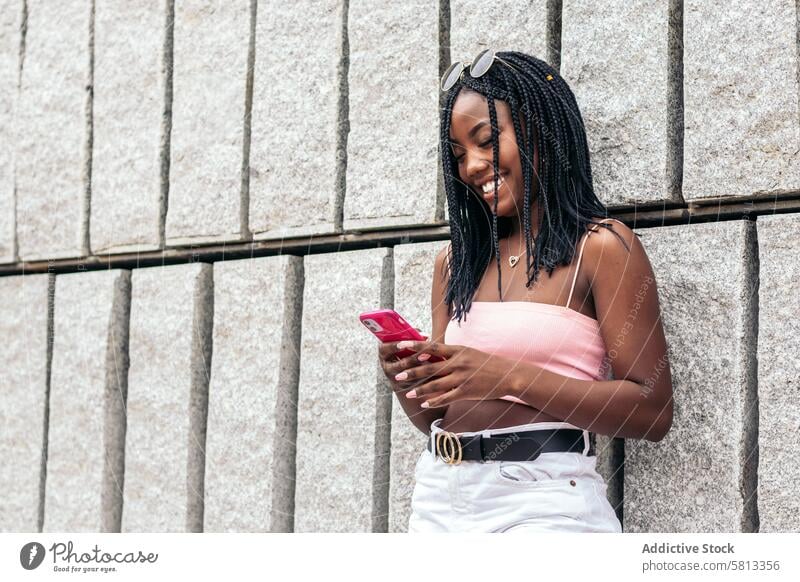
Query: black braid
(495, 163)
(567, 202)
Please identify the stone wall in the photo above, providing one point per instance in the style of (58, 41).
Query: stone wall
(149, 382)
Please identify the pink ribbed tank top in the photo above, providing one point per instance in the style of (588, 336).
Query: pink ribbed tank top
(554, 337)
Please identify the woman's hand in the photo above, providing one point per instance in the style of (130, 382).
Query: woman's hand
(465, 374)
(391, 365)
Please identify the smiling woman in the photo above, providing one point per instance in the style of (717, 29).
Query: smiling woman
(525, 377)
(486, 183)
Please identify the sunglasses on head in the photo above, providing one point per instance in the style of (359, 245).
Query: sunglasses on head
(479, 66)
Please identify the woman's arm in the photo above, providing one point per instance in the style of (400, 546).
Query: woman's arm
(421, 417)
(638, 403)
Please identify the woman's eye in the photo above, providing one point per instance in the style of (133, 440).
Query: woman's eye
(487, 143)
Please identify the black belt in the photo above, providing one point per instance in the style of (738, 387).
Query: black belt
(513, 446)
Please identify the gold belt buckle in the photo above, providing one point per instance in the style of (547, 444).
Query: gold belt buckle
(446, 445)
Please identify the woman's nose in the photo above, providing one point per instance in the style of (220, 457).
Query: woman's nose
(475, 164)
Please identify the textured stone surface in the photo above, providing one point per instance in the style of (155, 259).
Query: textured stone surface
(294, 120)
(741, 98)
(170, 341)
(611, 465)
(701, 476)
(23, 400)
(252, 400)
(620, 81)
(10, 23)
(413, 269)
(475, 26)
(129, 113)
(88, 385)
(344, 400)
(210, 63)
(778, 372)
(393, 101)
(52, 129)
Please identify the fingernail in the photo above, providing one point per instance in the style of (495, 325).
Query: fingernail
(424, 405)
(406, 344)
(411, 394)
(423, 357)
(401, 376)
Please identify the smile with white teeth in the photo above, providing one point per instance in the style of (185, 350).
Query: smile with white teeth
(489, 186)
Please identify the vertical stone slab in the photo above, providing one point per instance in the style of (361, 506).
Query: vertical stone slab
(701, 476)
(344, 400)
(208, 119)
(25, 364)
(89, 382)
(413, 271)
(170, 357)
(294, 167)
(52, 131)
(742, 99)
(10, 39)
(778, 371)
(611, 466)
(503, 26)
(393, 102)
(620, 81)
(252, 401)
(130, 121)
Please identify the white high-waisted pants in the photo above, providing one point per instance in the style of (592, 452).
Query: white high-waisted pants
(554, 492)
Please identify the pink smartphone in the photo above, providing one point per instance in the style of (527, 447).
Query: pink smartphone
(388, 326)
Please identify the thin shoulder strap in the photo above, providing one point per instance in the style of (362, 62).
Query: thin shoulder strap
(580, 256)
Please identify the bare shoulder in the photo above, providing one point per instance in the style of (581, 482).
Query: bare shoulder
(616, 232)
(441, 275)
(606, 246)
(442, 254)
(440, 313)
(441, 261)
(615, 253)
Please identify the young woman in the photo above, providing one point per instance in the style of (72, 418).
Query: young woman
(528, 359)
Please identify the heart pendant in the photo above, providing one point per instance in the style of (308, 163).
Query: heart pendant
(512, 260)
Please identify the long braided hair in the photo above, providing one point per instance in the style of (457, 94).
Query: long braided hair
(567, 201)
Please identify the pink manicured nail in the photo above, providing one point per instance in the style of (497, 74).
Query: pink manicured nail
(401, 376)
(423, 357)
(424, 405)
(411, 394)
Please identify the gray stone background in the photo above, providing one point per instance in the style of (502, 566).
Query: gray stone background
(198, 198)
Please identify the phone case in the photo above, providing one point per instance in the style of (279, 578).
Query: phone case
(388, 326)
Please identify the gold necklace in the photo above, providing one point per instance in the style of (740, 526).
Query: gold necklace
(514, 259)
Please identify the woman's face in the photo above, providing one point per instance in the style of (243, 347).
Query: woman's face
(471, 141)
